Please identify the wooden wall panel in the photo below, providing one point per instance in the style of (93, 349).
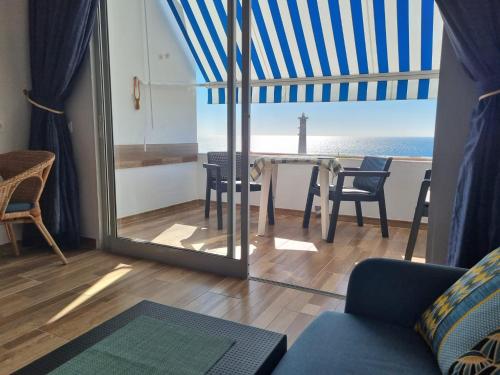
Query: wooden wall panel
(134, 156)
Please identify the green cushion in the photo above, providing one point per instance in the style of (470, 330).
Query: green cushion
(150, 346)
(18, 207)
(465, 313)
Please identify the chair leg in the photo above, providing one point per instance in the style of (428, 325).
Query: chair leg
(219, 209)
(12, 238)
(270, 207)
(333, 221)
(45, 233)
(307, 211)
(383, 216)
(359, 213)
(207, 202)
(412, 240)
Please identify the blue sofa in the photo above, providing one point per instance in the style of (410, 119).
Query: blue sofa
(375, 335)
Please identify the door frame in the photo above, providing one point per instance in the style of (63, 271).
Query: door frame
(223, 265)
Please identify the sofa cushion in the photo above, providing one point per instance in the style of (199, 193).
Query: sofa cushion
(465, 313)
(336, 343)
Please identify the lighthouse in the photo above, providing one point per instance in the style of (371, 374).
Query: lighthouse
(303, 134)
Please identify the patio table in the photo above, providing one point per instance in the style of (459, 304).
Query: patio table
(267, 167)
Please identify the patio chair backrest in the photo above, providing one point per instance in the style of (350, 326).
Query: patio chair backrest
(372, 163)
(221, 159)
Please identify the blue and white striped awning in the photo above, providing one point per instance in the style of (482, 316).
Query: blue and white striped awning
(321, 50)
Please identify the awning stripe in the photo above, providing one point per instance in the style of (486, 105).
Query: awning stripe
(264, 35)
(380, 34)
(403, 44)
(348, 31)
(338, 34)
(188, 40)
(381, 39)
(318, 38)
(194, 23)
(207, 18)
(311, 39)
(221, 13)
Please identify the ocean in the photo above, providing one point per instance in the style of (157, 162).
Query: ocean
(330, 145)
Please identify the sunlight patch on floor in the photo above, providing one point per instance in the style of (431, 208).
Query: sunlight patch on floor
(104, 282)
(292, 245)
(237, 251)
(174, 235)
(417, 260)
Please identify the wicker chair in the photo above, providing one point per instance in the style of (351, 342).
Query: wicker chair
(24, 176)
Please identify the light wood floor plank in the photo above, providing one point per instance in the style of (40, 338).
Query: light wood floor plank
(287, 253)
(67, 301)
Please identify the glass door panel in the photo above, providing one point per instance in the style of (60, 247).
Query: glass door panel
(170, 133)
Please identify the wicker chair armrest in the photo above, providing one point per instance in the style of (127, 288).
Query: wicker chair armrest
(26, 186)
(12, 167)
(7, 187)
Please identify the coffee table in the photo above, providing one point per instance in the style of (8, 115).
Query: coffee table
(256, 351)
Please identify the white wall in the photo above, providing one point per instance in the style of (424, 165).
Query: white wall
(149, 188)
(80, 111)
(174, 106)
(14, 76)
(401, 189)
(15, 110)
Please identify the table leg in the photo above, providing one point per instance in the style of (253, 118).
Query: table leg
(324, 182)
(264, 196)
(274, 181)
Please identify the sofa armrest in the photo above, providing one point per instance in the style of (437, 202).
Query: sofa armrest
(395, 291)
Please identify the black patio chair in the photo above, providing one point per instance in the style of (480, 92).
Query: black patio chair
(421, 210)
(368, 186)
(217, 175)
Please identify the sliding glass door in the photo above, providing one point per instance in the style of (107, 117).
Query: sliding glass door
(170, 188)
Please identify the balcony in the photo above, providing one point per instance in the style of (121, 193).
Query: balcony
(168, 85)
(155, 209)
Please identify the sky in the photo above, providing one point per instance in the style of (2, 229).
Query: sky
(391, 118)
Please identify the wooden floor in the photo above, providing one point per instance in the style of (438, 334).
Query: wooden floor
(44, 304)
(287, 253)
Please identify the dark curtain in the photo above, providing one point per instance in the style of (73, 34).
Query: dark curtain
(473, 27)
(60, 31)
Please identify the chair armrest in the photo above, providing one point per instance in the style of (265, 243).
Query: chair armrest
(358, 173)
(350, 173)
(211, 166)
(424, 188)
(395, 291)
(213, 171)
(351, 168)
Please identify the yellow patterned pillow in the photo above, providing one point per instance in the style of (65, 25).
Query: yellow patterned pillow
(483, 359)
(465, 313)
